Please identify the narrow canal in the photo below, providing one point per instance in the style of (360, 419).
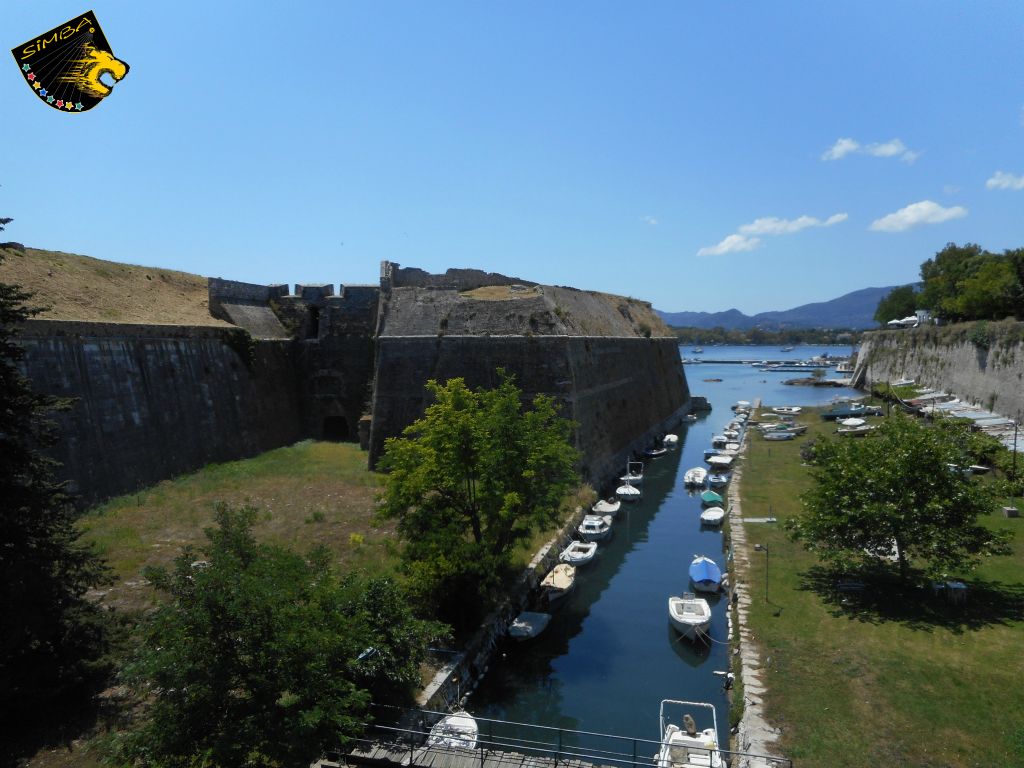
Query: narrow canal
(610, 655)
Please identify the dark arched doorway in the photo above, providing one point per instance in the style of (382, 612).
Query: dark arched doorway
(336, 428)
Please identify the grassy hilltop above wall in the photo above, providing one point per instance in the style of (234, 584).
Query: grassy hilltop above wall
(83, 288)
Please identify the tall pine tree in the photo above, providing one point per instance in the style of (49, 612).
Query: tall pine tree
(51, 637)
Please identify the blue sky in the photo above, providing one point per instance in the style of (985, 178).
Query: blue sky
(700, 156)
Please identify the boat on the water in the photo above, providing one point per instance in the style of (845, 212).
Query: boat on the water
(712, 516)
(559, 581)
(595, 527)
(705, 574)
(579, 552)
(710, 498)
(695, 476)
(606, 507)
(720, 461)
(690, 615)
(634, 473)
(528, 624)
(718, 479)
(686, 746)
(628, 492)
(459, 729)
(670, 441)
(655, 453)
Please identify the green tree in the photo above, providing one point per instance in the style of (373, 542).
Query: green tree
(897, 304)
(52, 639)
(943, 274)
(473, 477)
(895, 487)
(263, 657)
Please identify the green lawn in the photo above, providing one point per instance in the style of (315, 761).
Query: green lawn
(307, 494)
(892, 676)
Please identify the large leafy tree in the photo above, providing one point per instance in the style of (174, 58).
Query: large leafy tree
(473, 477)
(895, 487)
(263, 657)
(897, 304)
(52, 639)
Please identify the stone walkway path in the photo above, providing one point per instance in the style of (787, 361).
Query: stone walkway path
(754, 734)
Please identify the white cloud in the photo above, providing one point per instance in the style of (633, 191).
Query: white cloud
(770, 225)
(841, 148)
(891, 148)
(924, 212)
(888, 149)
(1004, 180)
(731, 244)
(649, 220)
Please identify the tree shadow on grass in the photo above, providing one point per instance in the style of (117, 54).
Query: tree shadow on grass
(877, 596)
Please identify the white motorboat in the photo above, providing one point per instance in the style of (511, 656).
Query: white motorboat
(721, 461)
(628, 492)
(741, 405)
(670, 441)
(860, 431)
(579, 552)
(559, 581)
(731, 434)
(690, 615)
(712, 516)
(606, 507)
(655, 453)
(853, 421)
(691, 417)
(732, 447)
(790, 409)
(528, 624)
(778, 434)
(687, 747)
(634, 473)
(595, 527)
(695, 476)
(719, 441)
(459, 729)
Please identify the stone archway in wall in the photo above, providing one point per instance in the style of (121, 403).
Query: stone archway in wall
(337, 429)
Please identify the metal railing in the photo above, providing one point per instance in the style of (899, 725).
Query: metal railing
(403, 732)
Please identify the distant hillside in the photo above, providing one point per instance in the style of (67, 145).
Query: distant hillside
(852, 310)
(83, 288)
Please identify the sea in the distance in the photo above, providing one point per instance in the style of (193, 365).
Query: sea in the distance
(609, 655)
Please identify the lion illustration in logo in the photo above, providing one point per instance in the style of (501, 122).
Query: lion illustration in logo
(85, 73)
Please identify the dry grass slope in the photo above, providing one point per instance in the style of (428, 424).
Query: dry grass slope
(83, 288)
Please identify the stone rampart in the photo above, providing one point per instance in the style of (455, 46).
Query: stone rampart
(393, 275)
(153, 401)
(982, 363)
(621, 391)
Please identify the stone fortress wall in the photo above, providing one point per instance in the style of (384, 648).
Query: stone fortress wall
(156, 401)
(982, 364)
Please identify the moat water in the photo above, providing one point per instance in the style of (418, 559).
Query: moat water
(610, 656)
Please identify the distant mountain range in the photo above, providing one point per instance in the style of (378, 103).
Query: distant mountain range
(852, 310)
